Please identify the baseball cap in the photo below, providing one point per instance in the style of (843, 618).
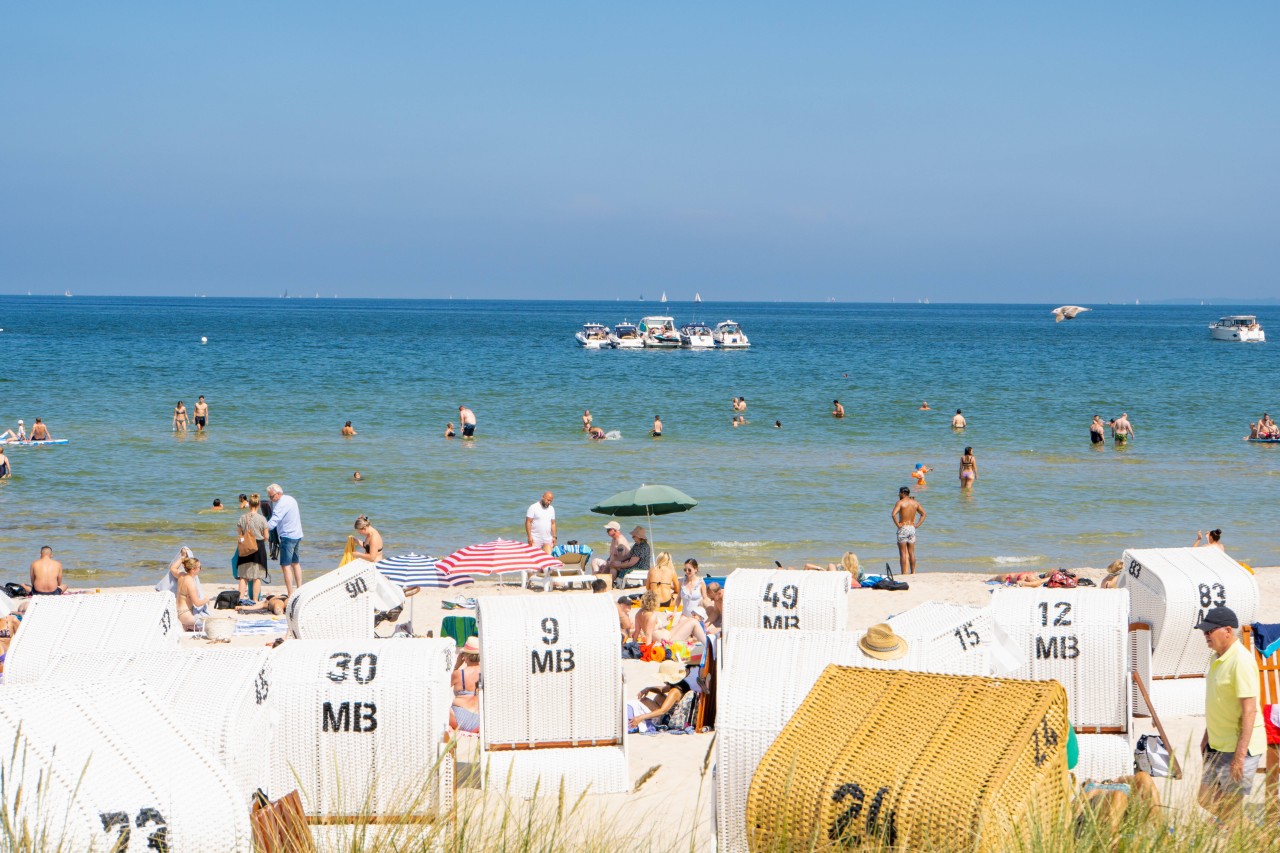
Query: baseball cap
(613, 525)
(1218, 617)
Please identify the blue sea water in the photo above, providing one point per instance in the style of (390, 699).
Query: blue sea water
(281, 376)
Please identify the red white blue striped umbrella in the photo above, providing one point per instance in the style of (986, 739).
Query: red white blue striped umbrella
(418, 570)
(500, 555)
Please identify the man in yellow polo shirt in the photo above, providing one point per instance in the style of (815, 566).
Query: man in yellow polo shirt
(1234, 738)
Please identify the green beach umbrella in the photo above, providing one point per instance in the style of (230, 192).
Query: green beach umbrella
(647, 501)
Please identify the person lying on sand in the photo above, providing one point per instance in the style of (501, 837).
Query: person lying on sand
(273, 604)
(848, 563)
(1112, 580)
(1022, 579)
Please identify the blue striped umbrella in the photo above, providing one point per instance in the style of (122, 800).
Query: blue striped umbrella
(418, 570)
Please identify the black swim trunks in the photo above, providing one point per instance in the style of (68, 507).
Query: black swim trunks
(200, 420)
(468, 429)
(56, 591)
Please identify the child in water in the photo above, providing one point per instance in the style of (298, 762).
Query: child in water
(918, 474)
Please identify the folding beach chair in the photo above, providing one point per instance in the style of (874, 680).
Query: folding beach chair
(574, 571)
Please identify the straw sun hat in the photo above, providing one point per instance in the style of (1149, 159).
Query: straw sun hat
(672, 671)
(881, 643)
(472, 647)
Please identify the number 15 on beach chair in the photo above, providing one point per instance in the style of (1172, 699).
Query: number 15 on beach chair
(551, 704)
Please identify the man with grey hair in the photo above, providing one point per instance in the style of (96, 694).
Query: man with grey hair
(1234, 738)
(286, 520)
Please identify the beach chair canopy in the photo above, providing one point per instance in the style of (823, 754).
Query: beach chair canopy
(361, 725)
(232, 683)
(784, 600)
(63, 624)
(106, 765)
(1171, 589)
(952, 639)
(343, 603)
(551, 700)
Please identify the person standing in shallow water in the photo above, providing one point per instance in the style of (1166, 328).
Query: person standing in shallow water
(179, 417)
(656, 432)
(968, 468)
(907, 516)
(838, 410)
(1097, 431)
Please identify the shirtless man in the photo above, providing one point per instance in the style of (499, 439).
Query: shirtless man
(619, 553)
(838, 411)
(924, 406)
(958, 422)
(468, 420)
(596, 433)
(46, 574)
(907, 515)
(626, 624)
(656, 432)
(1123, 430)
(40, 432)
(201, 414)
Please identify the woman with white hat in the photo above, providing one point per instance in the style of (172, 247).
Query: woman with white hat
(657, 701)
(465, 713)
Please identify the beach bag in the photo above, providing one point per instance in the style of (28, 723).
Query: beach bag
(247, 546)
(1061, 580)
(16, 590)
(889, 583)
(681, 716)
(1152, 756)
(226, 600)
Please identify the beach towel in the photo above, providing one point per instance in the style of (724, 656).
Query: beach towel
(1266, 637)
(350, 552)
(262, 626)
(460, 628)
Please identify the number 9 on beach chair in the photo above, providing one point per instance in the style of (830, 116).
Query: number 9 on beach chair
(107, 766)
(361, 726)
(343, 603)
(62, 624)
(551, 706)
(1171, 589)
(786, 600)
(1079, 638)
(236, 682)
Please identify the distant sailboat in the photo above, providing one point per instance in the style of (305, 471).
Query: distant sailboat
(67, 293)
(697, 297)
(664, 297)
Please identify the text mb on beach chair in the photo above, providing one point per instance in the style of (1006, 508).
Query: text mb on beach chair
(551, 705)
(787, 600)
(1170, 589)
(1079, 638)
(343, 603)
(108, 766)
(224, 690)
(361, 727)
(847, 769)
(62, 624)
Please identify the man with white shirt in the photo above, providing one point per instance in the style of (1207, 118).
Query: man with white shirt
(540, 523)
(286, 520)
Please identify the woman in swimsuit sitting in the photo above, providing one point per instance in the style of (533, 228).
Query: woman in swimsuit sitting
(465, 713)
(662, 580)
(191, 601)
(372, 539)
(1214, 539)
(652, 703)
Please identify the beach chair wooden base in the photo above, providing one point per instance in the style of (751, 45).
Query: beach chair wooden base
(281, 827)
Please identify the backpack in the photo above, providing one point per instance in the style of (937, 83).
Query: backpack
(1061, 580)
(889, 583)
(226, 600)
(1152, 756)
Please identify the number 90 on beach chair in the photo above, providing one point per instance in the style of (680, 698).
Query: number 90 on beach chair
(63, 624)
(343, 603)
(551, 705)
(361, 727)
(108, 766)
(786, 600)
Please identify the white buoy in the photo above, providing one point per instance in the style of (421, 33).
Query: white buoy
(204, 340)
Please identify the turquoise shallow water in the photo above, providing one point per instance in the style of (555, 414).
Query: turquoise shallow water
(282, 375)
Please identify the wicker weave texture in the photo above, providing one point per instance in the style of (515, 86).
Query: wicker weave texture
(552, 671)
(782, 600)
(1171, 589)
(589, 769)
(948, 639)
(361, 724)
(846, 768)
(235, 682)
(340, 605)
(1139, 662)
(1077, 637)
(64, 624)
(114, 767)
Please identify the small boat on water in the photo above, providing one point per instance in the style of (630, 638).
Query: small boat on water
(659, 332)
(696, 336)
(1238, 327)
(729, 335)
(626, 336)
(697, 297)
(664, 297)
(594, 336)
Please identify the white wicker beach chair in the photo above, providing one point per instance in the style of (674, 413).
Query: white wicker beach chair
(551, 705)
(342, 604)
(6, 605)
(784, 600)
(1171, 588)
(950, 639)
(361, 726)
(63, 624)
(1079, 638)
(234, 682)
(108, 766)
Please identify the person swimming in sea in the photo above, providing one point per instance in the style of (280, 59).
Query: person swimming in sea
(924, 406)
(838, 410)
(595, 433)
(918, 474)
(448, 430)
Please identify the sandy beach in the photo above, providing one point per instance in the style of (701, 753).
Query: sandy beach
(677, 789)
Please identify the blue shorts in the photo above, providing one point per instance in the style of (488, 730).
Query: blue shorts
(468, 430)
(289, 550)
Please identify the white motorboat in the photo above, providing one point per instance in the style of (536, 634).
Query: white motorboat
(626, 336)
(1238, 327)
(729, 335)
(659, 332)
(594, 336)
(696, 336)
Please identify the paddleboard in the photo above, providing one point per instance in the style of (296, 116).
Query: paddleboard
(37, 443)
(1264, 440)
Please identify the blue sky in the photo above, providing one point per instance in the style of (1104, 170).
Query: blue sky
(963, 152)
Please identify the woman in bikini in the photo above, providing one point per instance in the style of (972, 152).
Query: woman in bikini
(662, 580)
(179, 417)
(968, 468)
(465, 713)
(191, 602)
(372, 539)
